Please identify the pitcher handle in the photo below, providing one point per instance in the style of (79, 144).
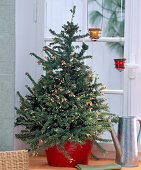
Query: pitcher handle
(139, 134)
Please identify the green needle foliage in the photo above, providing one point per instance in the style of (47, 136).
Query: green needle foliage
(66, 104)
(112, 13)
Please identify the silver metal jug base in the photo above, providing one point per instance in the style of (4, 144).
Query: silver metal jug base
(127, 164)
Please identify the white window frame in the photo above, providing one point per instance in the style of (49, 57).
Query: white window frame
(85, 30)
(132, 53)
(132, 7)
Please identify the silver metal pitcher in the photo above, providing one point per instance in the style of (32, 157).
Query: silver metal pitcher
(126, 143)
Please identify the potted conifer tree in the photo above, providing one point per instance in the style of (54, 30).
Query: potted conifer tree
(65, 108)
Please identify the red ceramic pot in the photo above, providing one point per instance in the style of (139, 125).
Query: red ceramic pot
(80, 155)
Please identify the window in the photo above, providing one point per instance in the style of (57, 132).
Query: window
(57, 13)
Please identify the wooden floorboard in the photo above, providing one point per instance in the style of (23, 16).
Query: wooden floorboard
(40, 163)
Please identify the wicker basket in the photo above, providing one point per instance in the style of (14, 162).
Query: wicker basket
(14, 160)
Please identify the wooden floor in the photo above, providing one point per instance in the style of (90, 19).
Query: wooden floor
(40, 163)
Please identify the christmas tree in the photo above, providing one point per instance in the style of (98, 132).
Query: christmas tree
(66, 104)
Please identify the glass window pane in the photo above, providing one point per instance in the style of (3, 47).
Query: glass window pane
(108, 15)
(103, 65)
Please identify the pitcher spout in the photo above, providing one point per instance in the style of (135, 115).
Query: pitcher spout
(116, 142)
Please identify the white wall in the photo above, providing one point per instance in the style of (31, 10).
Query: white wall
(29, 38)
